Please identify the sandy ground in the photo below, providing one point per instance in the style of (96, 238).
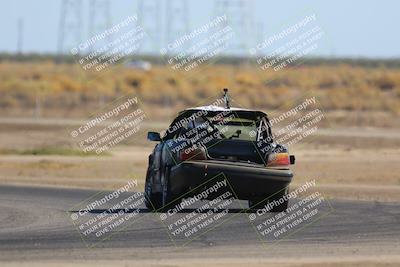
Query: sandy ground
(361, 174)
(358, 173)
(347, 163)
(389, 261)
(36, 228)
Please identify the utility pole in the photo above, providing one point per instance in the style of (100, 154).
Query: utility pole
(70, 27)
(149, 17)
(177, 13)
(240, 17)
(99, 18)
(20, 39)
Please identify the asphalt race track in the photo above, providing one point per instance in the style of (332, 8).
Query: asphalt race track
(35, 223)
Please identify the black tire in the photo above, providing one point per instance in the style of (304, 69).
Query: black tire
(257, 203)
(282, 206)
(166, 196)
(152, 201)
(260, 203)
(168, 200)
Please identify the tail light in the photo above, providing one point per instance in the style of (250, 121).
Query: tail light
(193, 153)
(278, 159)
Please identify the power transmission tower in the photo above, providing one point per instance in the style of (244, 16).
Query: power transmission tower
(240, 17)
(70, 27)
(259, 34)
(20, 39)
(149, 18)
(177, 16)
(99, 19)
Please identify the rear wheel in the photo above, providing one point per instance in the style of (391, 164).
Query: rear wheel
(281, 202)
(166, 196)
(168, 200)
(257, 203)
(153, 201)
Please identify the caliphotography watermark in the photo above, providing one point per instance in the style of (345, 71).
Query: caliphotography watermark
(200, 46)
(117, 123)
(106, 213)
(306, 205)
(299, 122)
(290, 45)
(291, 125)
(198, 130)
(109, 47)
(199, 211)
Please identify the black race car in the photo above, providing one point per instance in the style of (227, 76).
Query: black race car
(203, 142)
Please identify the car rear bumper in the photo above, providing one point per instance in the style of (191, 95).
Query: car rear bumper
(247, 180)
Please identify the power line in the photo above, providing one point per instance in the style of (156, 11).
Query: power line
(99, 18)
(177, 24)
(70, 27)
(149, 17)
(20, 39)
(240, 17)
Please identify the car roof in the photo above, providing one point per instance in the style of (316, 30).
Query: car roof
(216, 108)
(213, 108)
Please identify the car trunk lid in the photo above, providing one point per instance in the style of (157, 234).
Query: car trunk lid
(234, 150)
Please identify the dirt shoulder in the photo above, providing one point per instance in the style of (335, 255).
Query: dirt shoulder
(348, 163)
(338, 173)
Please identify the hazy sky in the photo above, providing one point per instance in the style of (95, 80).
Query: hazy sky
(355, 28)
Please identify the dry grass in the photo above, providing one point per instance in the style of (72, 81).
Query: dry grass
(73, 92)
